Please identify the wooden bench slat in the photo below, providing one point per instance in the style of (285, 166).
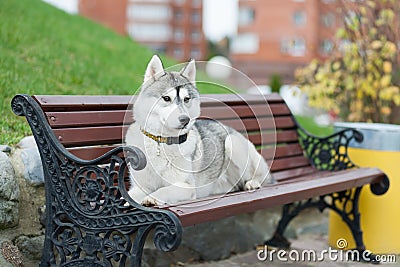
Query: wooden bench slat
(209, 100)
(288, 163)
(288, 150)
(89, 153)
(90, 135)
(219, 207)
(88, 118)
(271, 137)
(290, 174)
(260, 124)
(279, 109)
(90, 102)
(234, 112)
(85, 118)
(82, 102)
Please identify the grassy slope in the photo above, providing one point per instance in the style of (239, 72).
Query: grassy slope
(45, 51)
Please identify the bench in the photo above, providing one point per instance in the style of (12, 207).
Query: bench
(90, 219)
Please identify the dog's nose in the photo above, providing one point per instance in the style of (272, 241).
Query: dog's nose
(184, 120)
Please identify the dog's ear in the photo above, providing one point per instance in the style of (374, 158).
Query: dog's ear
(189, 71)
(155, 67)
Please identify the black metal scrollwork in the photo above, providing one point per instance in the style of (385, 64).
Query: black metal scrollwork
(91, 221)
(329, 153)
(344, 203)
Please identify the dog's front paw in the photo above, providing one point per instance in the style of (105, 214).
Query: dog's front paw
(149, 202)
(251, 185)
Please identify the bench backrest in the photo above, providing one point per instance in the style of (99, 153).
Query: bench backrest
(91, 125)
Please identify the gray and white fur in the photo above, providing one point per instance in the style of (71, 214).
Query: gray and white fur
(215, 159)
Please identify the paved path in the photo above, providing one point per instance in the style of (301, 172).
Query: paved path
(301, 245)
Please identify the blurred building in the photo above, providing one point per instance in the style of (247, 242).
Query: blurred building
(173, 27)
(275, 37)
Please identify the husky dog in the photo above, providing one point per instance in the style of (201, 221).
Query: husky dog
(187, 158)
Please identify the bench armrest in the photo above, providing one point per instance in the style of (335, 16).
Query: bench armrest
(330, 152)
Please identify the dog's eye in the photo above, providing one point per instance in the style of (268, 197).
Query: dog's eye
(166, 98)
(186, 99)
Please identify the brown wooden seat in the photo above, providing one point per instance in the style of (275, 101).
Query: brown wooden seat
(310, 171)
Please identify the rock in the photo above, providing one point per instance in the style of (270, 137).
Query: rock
(33, 171)
(33, 165)
(10, 256)
(8, 183)
(42, 215)
(27, 142)
(5, 148)
(31, 247)
(31, 197)
(9, 193)
(315, 229)
(217, 240)
(8, 214)
(234, 235)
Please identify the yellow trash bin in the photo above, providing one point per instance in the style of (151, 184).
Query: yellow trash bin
(380, 215)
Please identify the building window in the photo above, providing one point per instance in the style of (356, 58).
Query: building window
(326, 46)
(196, 36)
(195, 53)
(160, 49)
(178, 52)
(178, 15)
(299, 18)
(293, 46)
(246, 16)
(196, 3)
(245, 43)
(328, 20)
(179, 35)
(147, 12)
(196, 18)
(149, 32)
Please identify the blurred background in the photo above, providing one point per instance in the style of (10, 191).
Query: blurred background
(265, 39)
(329, 59)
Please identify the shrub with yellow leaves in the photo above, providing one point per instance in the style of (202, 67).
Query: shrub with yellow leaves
(360, 80)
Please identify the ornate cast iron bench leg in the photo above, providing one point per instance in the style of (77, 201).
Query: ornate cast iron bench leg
(345, 204)
(88, 221)
(289, 212)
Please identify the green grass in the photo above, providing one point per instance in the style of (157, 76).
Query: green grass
(312, 127)
(45, 51)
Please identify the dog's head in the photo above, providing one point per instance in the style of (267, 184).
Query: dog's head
(168, 103)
